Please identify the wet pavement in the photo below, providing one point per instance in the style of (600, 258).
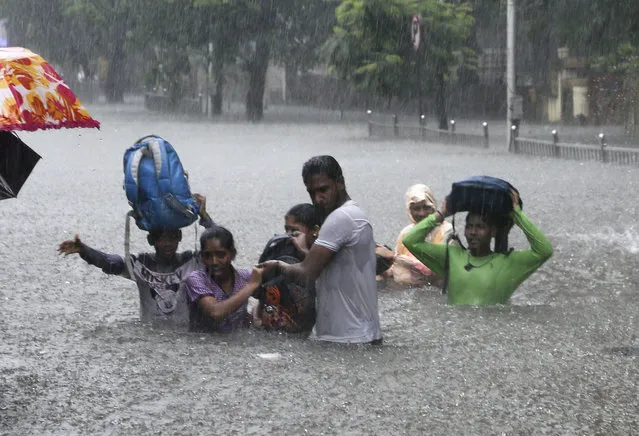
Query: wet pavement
(562, 358)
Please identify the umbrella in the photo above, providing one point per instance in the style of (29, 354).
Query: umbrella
(17, 161)
(34, 96)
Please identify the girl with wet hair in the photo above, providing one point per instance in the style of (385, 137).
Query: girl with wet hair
(286, 304)
(301, 222)
(219, 293)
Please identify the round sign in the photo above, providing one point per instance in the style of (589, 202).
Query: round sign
(416, 31)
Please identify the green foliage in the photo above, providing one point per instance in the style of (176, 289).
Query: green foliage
(371, 45)
(597, 27)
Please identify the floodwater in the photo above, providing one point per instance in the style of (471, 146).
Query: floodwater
(562, 358)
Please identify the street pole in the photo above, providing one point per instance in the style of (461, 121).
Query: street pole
(419, 84)
(510, 67)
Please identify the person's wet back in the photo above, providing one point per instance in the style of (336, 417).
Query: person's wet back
(158, 275)
(478, 275)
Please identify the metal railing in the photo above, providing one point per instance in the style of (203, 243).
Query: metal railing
(428, 134)
(556, 149)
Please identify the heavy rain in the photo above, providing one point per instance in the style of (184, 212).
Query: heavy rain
(541, 94)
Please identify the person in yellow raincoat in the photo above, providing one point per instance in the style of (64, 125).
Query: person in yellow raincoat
(406, 269)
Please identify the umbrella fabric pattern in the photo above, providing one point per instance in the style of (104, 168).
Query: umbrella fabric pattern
(34, 96)
(17, 161)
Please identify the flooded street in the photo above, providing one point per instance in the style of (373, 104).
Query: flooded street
(562, 358)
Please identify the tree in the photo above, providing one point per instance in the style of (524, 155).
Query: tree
(371, 46)
(301, 29)
(50, 30)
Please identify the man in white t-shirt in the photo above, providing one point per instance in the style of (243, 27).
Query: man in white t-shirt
(341, 261)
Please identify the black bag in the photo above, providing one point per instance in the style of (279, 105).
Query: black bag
(484, 195)
(295, 300)
(481, 194)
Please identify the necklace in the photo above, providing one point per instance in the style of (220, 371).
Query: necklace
(470, 266)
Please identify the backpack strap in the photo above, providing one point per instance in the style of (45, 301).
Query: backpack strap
(162, 173)
(127, 244)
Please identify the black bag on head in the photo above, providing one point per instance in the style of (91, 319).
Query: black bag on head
(481, 194)
(484, 195)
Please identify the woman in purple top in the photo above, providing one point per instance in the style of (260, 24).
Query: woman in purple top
(219, 294)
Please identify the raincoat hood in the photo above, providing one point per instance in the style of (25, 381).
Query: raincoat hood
(417, 193)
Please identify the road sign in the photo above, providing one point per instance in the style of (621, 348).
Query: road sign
(416, 30)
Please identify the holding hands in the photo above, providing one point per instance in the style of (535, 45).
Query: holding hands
(256, 276)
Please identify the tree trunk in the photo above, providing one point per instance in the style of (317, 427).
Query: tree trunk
(218, 71)
(257, 80)
(290, 78)
(440, 101)
(114, 83)
(258, 66)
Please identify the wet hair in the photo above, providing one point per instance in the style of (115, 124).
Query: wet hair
(224, 236)
(155, 234)
(304, 213)
(322, 165)
(503, 224)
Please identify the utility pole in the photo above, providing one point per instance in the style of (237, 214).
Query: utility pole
(510, 68)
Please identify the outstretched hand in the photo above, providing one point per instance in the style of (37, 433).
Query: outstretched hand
(384, 252)
(71, 246)
(268, 266)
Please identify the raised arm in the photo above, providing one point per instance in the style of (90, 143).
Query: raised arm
(540, 248)
(430, 254)
(336, 231)
(205, 219)
(109, 263)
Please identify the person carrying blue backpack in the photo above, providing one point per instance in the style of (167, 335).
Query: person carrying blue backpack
(158, 275)
(160, 197)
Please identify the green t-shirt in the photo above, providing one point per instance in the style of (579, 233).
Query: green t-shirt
(494, 278)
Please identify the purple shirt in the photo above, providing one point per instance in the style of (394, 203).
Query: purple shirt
(200, 284)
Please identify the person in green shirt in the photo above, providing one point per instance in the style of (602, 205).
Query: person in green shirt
(477, 275)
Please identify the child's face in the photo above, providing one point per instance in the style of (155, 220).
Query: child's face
(292, 226)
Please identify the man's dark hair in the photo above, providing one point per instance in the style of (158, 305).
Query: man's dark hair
(304, 213)
(322, 165)
(221, 234)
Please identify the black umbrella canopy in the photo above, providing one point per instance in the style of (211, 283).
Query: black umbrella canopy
(17, 161)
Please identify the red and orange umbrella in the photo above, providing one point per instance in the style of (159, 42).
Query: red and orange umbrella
(34, 96)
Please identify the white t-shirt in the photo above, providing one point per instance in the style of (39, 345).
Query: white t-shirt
(346, 301)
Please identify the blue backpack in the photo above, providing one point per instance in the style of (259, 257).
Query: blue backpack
(157, 187)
